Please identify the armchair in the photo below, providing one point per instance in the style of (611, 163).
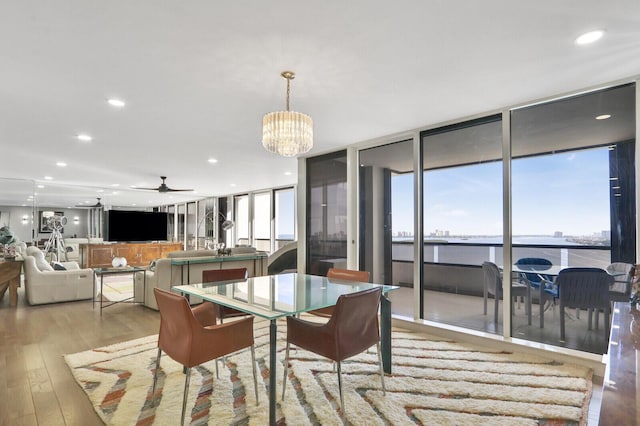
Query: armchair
(191, 337)
(352, 329)
(493, 285)
(43, 284)
(541, 284)
(623, 273)
(345, 275)
(584, 288)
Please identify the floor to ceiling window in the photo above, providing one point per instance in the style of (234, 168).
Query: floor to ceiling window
(241, 219)
(571, 202)
(326, 237)
(462, 222)
(262, 220)
(573, 197)
(284, 216)
(386, 213)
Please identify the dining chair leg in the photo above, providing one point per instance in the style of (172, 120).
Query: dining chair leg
(561, 322)
(217, 372)
(384, 390)
(255, 376)
(155, 378)
(286, 367)
(340, 387)
(186, 393)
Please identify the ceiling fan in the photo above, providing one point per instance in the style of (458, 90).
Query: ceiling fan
(96, 205)
(164, 188)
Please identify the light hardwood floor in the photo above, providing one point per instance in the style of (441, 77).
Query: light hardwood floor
(36, 386)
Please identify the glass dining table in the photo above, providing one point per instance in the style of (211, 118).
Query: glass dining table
(276, 296)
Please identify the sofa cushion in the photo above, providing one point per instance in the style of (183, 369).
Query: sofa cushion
(38, 255)
(57, 266)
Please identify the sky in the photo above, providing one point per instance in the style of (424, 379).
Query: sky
(565, 192)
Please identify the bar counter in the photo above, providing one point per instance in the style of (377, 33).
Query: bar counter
(621, 388)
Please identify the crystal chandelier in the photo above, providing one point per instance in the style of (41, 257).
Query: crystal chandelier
(287, 133)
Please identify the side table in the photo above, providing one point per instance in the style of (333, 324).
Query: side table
(101, 272)
(10, 278)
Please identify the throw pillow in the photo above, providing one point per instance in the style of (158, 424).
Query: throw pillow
(57, 266)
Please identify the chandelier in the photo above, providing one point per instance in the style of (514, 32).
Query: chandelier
(287, 133)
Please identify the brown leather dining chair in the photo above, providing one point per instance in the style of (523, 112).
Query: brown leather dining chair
(345, 275)
(352, 329)
(215, 275)
(191, 337)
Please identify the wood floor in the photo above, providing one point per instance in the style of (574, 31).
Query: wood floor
(36, 386)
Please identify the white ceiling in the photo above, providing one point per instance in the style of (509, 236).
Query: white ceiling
(198, 76)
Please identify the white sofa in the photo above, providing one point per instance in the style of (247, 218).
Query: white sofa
(163, 274)
(43, 284)
(72, 246)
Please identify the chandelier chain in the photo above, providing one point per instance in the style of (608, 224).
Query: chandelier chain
(288, 91)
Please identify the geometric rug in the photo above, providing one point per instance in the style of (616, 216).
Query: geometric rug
(115, 287)
(434, 381)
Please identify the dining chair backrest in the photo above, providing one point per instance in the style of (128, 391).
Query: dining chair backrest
(215, 275)
(535, 265)
(231, 274)
(492, 278)
(348, 275)
(355, 322)
(176, 325)
(584, 288)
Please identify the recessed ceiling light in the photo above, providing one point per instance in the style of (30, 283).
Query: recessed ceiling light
(115, 184)
(100, 190)
(134, 204)
(115, 193)
(590, 37)
(40, 186)
(118, 103)
(48, 178)
(603, 117)
(61, 164)
(212, 160)
(84, 137)
(287, 173)
(232, 184)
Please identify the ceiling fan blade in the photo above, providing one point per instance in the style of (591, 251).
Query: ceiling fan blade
(147, 189)
(178, 190)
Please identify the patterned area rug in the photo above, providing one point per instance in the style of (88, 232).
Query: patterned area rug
(115, 287)
(434, 382)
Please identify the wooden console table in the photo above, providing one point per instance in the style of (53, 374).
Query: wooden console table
(10, 278)
(137, 254)
(621, 387)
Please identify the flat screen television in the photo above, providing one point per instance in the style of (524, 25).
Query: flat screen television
(131, 225)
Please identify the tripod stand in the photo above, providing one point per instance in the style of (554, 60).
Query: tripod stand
(55, 243)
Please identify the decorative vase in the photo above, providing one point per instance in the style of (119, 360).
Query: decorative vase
(119, 262)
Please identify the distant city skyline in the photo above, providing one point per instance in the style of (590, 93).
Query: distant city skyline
(565, 192)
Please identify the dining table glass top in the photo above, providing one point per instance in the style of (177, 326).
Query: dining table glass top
(276, 296)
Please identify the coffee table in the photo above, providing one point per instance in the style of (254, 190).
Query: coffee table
(101, 272)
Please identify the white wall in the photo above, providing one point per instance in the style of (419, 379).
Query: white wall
(14, 218)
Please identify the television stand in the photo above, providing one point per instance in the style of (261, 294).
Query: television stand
(137, 254)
